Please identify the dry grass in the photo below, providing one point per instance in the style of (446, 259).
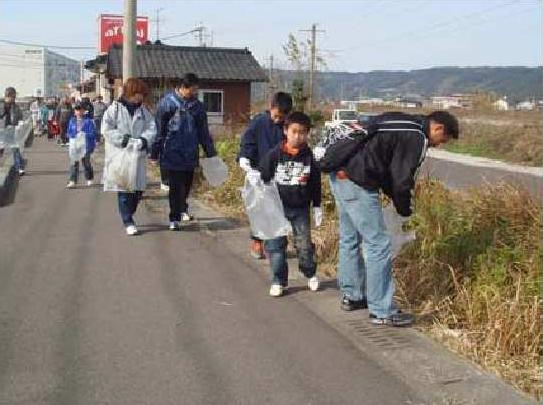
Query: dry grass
(474, 276)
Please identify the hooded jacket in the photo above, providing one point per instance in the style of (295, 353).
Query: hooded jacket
(87, 126)
(181, 127)
(261, 135)
(297, 176)
(118, 122)
(391, 159)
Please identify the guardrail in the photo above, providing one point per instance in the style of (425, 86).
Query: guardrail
(11, 138)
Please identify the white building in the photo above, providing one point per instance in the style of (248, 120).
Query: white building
(37, 71)
(501, 104)
(526, 106)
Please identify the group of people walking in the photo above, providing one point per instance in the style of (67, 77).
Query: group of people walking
(274, 148)
(383, 157)
(170, 138)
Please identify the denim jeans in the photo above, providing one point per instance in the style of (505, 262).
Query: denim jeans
(361, 222)
(89, 172)
(277, 248)
(18, 160)
(128, 204)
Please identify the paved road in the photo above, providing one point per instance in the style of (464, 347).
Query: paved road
(90, 316)
(464, 172)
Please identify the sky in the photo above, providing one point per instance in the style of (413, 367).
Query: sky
(357, 35)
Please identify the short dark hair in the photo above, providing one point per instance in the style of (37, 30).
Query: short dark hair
(282, 101)
(448, 120)
(298, 117)
(10, 92)
(189, 80)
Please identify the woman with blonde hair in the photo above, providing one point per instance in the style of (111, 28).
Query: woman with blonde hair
(128, 123)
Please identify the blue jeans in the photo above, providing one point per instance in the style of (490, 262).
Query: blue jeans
(87, 166)
(361, 222)
(128, 204)
(277, 248)
(18, 160)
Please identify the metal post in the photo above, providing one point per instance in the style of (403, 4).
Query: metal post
(129, 39)
(312, 63)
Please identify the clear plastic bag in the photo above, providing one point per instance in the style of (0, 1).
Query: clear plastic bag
(215, 171)
(265, 210)
(77, 147)
(123, 168)
(394, 224)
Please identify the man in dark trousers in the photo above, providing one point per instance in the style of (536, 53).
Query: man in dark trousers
(11, 114)
(388, 162)
(265, 131)
(181, 122)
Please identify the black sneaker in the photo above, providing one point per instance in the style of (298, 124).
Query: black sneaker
(397, 319)
(350, 305)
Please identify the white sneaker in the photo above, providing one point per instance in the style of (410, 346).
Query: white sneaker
(21, 172)
(185, 217)
(175, 226)
(314, 283)
(89, 183)
(131, 230)
(71, 184)
(276, 290)
(164, 187)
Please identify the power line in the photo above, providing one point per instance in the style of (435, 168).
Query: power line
(433, 27)
(7, 41)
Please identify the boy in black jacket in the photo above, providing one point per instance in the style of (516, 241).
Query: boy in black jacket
(292, 165)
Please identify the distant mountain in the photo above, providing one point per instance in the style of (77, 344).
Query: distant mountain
(517, 83)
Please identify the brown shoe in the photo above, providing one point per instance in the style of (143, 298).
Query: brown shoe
(257, 249)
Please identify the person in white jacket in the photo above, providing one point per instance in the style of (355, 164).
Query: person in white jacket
(128, 123)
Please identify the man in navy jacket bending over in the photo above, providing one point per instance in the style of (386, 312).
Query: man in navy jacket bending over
(181, 122)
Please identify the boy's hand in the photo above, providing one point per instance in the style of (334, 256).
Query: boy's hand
(245, 164)
(317, 216)
(253, 177)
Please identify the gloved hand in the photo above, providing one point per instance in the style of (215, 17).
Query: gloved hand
(143, 145)
(245, 164)
(318, 152)
(253, 177)
(126, 138)
(317, 216)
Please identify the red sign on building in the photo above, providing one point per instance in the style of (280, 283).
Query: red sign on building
(111, 31)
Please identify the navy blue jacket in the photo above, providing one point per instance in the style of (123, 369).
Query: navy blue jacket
(259, 138)
(181, 128)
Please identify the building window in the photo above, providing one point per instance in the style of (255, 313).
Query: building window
(213, 101)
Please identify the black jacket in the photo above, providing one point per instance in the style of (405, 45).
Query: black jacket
(298, 176)
(391, 159)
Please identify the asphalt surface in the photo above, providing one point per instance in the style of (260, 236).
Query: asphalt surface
(91, 316)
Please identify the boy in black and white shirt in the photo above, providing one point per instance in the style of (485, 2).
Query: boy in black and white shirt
(292, 165)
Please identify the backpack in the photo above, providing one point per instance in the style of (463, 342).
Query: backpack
(342, 142)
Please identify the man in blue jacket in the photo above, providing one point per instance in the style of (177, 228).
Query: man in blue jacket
(181, 122)
(264, 132)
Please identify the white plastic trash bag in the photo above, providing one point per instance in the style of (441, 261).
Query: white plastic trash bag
(265, 210)
(77, 147)
(123, 167)
(215, 171)
(394, 224)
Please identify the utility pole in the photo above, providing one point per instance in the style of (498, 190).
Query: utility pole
(129, 39)
(271, 75)
(157, 21)
(312, 63)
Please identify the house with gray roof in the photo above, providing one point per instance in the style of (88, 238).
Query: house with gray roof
(225, 75)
